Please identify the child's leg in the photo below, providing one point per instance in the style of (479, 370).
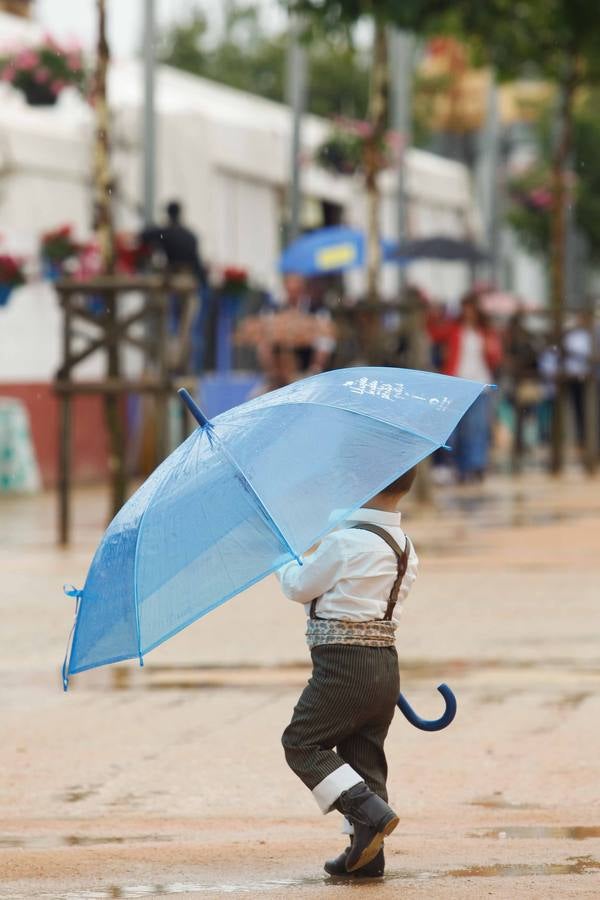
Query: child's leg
(321, 718)
(365, 753)
(352, 688)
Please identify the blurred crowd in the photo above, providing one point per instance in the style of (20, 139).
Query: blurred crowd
(510, 426)
(311, 327)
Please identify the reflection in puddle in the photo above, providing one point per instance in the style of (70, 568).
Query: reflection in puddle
(53, 841)
(577, 865)
(511, 511)
(76, 794)
(574, 833)
(185, 677)
(499, 801)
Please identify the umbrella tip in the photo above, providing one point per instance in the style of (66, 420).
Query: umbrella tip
(193, 407)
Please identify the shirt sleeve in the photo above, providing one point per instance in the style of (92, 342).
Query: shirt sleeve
(320, 572)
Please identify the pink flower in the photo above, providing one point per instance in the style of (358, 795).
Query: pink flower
(42, 76)
(27, 60)
(50, 43)
(541, 197)
(8, 74)
(74, 62)
(57, 86)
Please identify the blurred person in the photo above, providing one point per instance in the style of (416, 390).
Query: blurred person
(178, 243)
(315, 357)
(548, 371)
(352, 585)
(577, 349)
(524, 389)
(472, 349)
(180, 247)
(311, 347)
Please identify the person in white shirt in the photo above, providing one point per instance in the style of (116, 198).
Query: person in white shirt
(352, 587)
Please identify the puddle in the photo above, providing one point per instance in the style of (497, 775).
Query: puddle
(574, 865)
(511, 511)
(76, 794)
(499, 801)
(55, 841)
(185, 677)
(533, 832)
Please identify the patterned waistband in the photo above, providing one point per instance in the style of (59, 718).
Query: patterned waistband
(376, 633)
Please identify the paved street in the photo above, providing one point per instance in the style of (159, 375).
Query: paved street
(171, 779)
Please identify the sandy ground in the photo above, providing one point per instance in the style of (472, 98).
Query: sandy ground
(171, 781)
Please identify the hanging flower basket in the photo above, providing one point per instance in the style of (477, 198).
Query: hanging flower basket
(343, 152)
(39, 94)
(58, 251)
(5, 292)
(11, 276)
(43, 71)
(235, 281)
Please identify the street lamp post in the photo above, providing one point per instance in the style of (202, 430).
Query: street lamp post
(149, 117)
(296, 89)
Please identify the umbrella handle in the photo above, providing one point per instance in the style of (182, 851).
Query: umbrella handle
(430, 724)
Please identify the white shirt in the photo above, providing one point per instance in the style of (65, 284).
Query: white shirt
(472, 363)
(352, 571)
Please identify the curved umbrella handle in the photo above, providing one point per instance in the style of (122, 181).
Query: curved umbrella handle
(430, 724)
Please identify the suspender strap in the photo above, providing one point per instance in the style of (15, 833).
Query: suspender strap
(401, 560)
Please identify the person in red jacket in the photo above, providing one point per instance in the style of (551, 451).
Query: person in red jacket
(470, 349)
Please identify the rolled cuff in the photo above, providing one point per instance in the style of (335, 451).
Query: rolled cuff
(338, 781)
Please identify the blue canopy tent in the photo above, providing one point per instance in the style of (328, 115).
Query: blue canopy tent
(327, 251)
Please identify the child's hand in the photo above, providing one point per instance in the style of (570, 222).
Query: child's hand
(312, 549)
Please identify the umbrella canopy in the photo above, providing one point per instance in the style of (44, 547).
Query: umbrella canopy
(249, 491)
(440, 247)
(328, 250)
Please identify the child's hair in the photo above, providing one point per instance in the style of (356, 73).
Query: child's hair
(403, 484)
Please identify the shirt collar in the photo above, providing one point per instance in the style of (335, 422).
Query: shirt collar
(375, 517)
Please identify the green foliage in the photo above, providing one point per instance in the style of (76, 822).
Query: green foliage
(530, 193)
(249, 60)
(411, 14)
(531, 198)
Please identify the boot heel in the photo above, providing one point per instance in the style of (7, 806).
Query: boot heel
(393, 823)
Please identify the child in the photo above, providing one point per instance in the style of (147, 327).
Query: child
(352, 587)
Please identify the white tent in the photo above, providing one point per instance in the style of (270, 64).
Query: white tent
(224, 153)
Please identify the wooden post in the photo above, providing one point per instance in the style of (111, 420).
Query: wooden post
(115, 329)
(162, 360)
(64, 469)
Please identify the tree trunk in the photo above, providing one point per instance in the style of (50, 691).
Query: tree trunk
(558, 245)
(104, 227)
(102, 173)
(374, 155)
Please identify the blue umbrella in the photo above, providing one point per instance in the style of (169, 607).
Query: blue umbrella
(249, 491)
(329, 250)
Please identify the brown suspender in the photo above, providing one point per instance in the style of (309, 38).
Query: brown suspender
(402, 562)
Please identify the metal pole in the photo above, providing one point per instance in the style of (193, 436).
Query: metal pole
(149, 125)
(402, 51)
(296, 90)
(488, 177)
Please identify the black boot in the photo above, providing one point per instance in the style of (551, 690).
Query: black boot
(337, 866)
(372, 819)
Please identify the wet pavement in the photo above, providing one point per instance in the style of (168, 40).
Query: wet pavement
(169, 780)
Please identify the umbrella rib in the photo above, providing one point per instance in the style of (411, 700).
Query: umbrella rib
(365, 415)
(261, 504)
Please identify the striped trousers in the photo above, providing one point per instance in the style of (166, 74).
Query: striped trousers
(348, 705)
